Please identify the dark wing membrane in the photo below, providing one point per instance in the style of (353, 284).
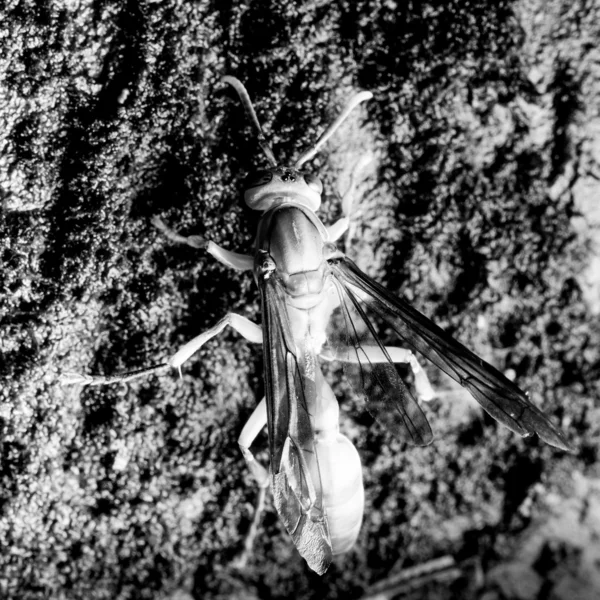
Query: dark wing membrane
(497, 395)
(369, 369)
(290, 392)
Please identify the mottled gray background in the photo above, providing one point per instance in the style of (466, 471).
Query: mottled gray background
(480, 206)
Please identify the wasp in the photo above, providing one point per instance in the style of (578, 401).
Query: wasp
(317, 306)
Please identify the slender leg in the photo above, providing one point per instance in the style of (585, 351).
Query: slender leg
(251, 331)
(254, 425)
(397, 355)
(71, 378)
(195, 241)
(357, 172)
(337, 230)
(252, 428)
(234, 260)
(340, 227)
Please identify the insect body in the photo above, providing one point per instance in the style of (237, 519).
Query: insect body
(318, 486)
(315, 307)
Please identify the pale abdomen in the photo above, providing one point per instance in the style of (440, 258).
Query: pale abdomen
(343, 492)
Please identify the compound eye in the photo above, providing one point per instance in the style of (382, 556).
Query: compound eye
(314, 183)
(258, 178)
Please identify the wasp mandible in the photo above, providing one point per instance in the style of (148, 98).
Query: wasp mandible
(315, 306)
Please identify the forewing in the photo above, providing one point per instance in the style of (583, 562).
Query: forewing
(497, 395)
(290, 391)
(369, 369)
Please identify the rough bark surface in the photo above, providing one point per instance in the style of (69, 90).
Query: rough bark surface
(480, 205)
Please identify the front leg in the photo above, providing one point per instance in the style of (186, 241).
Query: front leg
(340, 227)
(233, 260)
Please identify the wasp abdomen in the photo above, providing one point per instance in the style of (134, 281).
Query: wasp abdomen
(343, 492)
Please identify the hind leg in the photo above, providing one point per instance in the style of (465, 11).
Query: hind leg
(252, 428)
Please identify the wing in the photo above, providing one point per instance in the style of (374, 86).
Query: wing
(290, 391)
(368, 367)
(497, 395)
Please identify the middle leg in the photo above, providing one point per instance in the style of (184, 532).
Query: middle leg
(375, 354)
(249, 330)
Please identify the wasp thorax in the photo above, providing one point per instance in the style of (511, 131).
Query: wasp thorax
(265, 189)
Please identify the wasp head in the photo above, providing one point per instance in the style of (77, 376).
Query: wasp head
(266, 188)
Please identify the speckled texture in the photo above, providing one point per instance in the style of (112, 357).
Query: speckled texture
(480, 206)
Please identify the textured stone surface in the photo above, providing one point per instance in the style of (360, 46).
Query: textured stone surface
(480, 205)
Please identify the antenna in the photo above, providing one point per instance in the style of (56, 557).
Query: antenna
(354, 102)
(249, 109)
